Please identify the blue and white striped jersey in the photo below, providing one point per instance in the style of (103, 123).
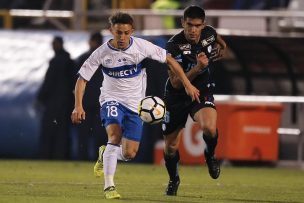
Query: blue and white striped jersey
(124, 77)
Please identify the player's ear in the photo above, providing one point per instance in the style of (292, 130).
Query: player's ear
(111, 29)
(183, 22)
(204, 24)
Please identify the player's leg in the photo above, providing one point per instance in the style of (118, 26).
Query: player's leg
(132, 132)
(206, 118)
(171, 157)
(127, 133)
(175, 120)
(110, 160)
(128, 150)
(112, 116)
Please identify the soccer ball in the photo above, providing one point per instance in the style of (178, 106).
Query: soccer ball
(151, 109)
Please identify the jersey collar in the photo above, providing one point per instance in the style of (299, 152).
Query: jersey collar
(113, 48)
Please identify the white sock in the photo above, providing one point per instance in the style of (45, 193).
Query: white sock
(120, 155)
(109, 164)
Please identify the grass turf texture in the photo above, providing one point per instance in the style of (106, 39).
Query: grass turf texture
(59, 181)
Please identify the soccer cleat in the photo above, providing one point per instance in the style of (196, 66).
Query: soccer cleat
(172, 187)
(98, 168)
(213, 165)
(111, 193)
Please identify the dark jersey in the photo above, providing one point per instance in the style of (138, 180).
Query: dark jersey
(185, 54)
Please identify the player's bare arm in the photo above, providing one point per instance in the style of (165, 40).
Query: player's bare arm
(202, 62)
(220, 49)
(78, 113)
(192, 91)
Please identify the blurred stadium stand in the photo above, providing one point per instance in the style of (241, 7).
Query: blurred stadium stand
(265, 56)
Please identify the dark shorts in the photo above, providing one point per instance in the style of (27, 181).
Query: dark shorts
(179, 107)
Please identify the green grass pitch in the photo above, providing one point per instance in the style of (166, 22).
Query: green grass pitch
(60, 181)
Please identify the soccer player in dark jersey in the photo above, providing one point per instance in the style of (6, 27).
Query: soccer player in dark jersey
(196, 47)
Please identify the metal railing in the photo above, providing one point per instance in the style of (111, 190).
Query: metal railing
(78, 16)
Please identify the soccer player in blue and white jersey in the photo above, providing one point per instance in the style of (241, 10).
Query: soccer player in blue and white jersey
(123, 87)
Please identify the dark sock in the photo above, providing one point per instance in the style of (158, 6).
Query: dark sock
(171, 163)
(211, 142)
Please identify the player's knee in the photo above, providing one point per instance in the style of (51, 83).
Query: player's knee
(114, 139)
(170, 149)
(129, 154)
(209, 130)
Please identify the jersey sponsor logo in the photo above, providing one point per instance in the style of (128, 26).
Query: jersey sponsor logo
(210, 84)
(185, 47)
(209, 49)
(167, 117)
(208, 41)
(166, 120)
(164, 127)
(209, 103)
(186, 52)
(126, 71)
(112, 103)
(204, 42)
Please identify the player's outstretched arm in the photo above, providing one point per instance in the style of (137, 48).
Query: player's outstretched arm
(192, 91)
(202, 62)
(219, 51)
(78, 113)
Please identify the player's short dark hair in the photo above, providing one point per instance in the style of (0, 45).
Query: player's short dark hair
(121, 18)
(194, 12)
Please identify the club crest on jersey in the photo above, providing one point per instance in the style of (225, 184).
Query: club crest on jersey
(108, 61)
(208, 41)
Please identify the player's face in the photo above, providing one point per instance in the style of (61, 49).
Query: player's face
(121, 34)
(192, 29)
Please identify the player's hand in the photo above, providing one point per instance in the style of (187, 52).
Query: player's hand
(217, 53)
(202, 60)
(193, 92)
(78, 115)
